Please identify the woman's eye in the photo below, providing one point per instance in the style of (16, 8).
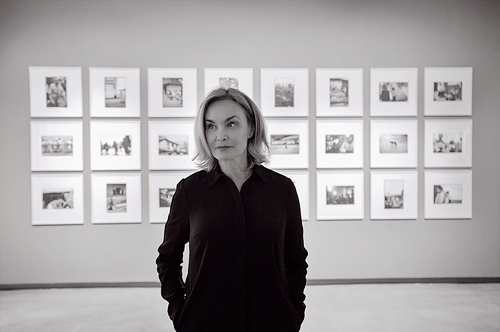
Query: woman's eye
(231, 124)
(210, 126)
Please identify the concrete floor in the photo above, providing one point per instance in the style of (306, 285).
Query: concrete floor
(386, 307)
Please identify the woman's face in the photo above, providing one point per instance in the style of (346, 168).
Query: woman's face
(227, 131)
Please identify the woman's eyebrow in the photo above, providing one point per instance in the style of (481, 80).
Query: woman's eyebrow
(228, 119)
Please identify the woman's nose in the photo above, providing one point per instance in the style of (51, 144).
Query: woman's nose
(221, 136)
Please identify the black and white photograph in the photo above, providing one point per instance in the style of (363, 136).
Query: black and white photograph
(116, 197)
(284, 91)
(115, 91)
(394, 194)
(447, 142)
(339, 92)
(57, 199)
(173, 144)
(339, 195)
(172, 92)
(166, 195)
(56, 91)
(393, 91)
(116, 145)
(448, 193)
(55, 145)
(228, 82)
(447, 91)
(393, 143)
(285, 144)
(339, 143)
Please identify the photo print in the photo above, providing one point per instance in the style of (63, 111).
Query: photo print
(393, 143)
(116, 197)
(228, 82)
(55, 145)
(285, 144)
(173, 144)
(57, 199)
(447, 91)
(448, 194)
(393, 91)
(394, 194)
(339, 143)
(339, 195)
(339, 92)
(116, 145)
(447, 142)
(166, 195)
(56, 91)
(115, 91)
(284, 91)
(172, 92)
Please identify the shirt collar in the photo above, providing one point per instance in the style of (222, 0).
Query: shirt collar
(215, 174)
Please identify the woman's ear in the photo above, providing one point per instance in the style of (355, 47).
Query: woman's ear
(250, 134)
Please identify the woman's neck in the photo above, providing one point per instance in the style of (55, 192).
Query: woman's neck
(237, 172)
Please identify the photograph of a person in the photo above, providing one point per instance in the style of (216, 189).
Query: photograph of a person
(284, 91)
(116, 195)
(116, 145)
(234, 207)
(173, 144)
(285, 144)
(172, 92)
(447, 142)
(394, 194)
(393, 143)
(115, 91)
(57, 198)
(56, 91)
(447, 91)
(339, 195)
(448, 194)
(339, 92)
(393, 91)
(166, 195)
(339, 143)
(228, 82)
(57, 145)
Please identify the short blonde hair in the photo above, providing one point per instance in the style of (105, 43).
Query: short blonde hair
(258, 146)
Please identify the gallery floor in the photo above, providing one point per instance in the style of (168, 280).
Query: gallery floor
(383, 307)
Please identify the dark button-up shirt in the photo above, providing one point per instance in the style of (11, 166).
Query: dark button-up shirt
(247, 261)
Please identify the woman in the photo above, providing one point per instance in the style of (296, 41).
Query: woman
(247, 263)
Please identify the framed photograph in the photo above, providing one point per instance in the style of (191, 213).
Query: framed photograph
(116, 198)
(448, 194)
(284, 92)
(339, 143)
(161, 190)
(236, 78)
(55, 91)
(301, 181)
(448, 143)
(289, 143)
(393, 143)
(339, 92)
(115, 145)
(172, 92)
(394, 195)
(340, 195)
(57, 199)
(56, 146)
(448, 91)
(393, 91)
(171, 145)
(115, 92)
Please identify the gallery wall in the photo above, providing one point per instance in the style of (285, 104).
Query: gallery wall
(250, 34)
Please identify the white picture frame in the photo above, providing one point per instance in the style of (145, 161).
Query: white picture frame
(301, 181)
(400, 97)
(55, 91)
(292, 97)
(239, 78)
(57, 199)
(126, 155)
(289, 143)
(171, 145)
(162, 187)
(340, 195)
(116, 198)
(56, 146)
(457, 200)
(394, 195)
(172, 92)
(339, 143)
(339, 92)
(444, 99)
(448, 143)
(393, 143)
(114, 92)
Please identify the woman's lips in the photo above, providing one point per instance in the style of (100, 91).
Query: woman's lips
(223, 148)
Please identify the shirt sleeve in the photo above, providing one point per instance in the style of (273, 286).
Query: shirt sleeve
(295, 252)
